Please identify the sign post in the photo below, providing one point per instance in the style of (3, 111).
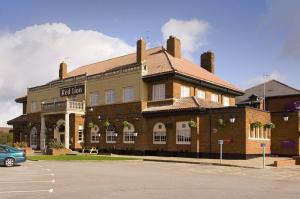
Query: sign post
(263, 145)
(221, 142)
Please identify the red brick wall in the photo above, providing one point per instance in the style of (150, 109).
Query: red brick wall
(285, 137)
(276, 104)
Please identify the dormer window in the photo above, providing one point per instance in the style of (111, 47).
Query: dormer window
(158, 92)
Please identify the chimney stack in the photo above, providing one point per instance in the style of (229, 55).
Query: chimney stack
(174, 47)
(140, 51)
(208, 61)
(63, 69)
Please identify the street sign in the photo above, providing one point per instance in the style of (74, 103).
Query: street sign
(221, 141)
(263, 145)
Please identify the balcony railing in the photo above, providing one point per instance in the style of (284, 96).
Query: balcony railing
(63, 106)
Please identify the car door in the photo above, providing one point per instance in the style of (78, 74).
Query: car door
(3, 153)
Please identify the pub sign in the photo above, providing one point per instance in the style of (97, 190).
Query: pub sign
(73, 90)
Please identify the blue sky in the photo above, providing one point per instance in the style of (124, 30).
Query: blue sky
(239, 33)
(249, 38)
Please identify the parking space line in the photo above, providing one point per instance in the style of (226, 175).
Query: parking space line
(21, 182)
(27, 191)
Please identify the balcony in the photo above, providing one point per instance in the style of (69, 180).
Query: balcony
(64, 107)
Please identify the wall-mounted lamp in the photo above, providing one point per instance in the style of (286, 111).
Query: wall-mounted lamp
(99, 134)
(99, 117)
(116, 134)
(91, 109)
(135, 134)
(232, 120)
(137, 118)
(285, 118)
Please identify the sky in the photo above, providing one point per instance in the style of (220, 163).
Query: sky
(249, 38)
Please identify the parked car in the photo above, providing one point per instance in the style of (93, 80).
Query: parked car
(9, 156)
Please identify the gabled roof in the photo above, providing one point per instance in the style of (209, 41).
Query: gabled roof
(187, 103)
(158, 61)
(273, 88)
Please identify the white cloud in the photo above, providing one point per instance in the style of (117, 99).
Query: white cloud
(260, 79)
(31, 57)
(192, 33)
(282, 18)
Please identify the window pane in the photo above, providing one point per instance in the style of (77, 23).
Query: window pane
(158, 92)
(201, 94)
(184, 91)
(128, 94)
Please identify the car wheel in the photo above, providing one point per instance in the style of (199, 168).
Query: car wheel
(9, 162)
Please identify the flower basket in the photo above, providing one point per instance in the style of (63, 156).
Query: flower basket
(106, 124)
(256, 124)
(91, 125)
(168, 125)
(125, 123)
(192, 124)
(270, 125)
(221, 123)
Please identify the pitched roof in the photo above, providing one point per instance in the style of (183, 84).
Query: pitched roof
(21, 99)
(187, 103)
(32, 117)
(158, 60)
(273, 88)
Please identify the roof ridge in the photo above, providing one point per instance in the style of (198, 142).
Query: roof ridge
(158, 47)
(285, 85)
(168, 58)
(196, 101)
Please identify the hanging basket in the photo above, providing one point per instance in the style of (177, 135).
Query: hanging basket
(256, 124)
(106, 123)
(125, 123)
(270, 125)
(221, 123)
(192, 124)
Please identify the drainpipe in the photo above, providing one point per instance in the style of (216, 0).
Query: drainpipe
(210, 135)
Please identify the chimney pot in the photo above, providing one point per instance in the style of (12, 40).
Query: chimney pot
(140, 51)
(63, 69)
(174, 46)
(208, 61)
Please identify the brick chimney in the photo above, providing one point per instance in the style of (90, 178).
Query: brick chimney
(63, 69)
(208, 61)
(174, 47)
(140, 51)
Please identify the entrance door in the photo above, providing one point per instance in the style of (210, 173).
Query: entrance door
(33, 138)
(61, 132)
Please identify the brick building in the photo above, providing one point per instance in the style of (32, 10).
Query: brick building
(283, 102)
(150, 102)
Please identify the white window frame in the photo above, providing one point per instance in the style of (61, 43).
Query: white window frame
(95, 134)
(201, 94)
(128, 94)
(158, 92)
(184, 91)
(33, 106)
(110, 136)
(261, 133)
(94, 98)
(80, 134)
(214, 97)
(159, 133)
(183, 133)
(226, 101)
(110, 96)
(128, 134)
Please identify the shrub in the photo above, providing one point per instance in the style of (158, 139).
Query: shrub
(221, 123)
(270, 125)
(55, 145)
(256, 124)
(20, 144)
(125, 123)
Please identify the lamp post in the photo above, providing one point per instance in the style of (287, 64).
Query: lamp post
(221, 142)
(232, 120)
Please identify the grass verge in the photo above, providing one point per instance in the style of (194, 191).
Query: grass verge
(77, 157)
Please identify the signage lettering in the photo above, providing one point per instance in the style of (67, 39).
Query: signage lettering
(74, 90)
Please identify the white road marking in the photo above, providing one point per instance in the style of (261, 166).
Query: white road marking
(29, 191)
(20, 182)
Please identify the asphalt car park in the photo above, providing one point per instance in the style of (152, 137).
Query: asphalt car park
(138, 179)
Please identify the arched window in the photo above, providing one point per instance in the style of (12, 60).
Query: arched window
(159, 133)
(128, 134)
(33, 138)
(95, 134)
(111, 135)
